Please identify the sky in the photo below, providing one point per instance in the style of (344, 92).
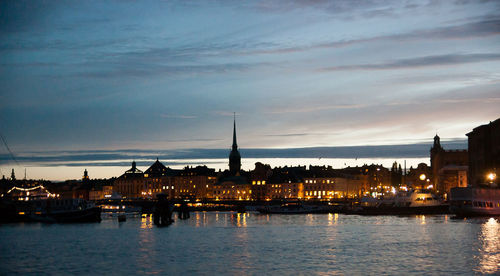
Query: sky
(168, 75)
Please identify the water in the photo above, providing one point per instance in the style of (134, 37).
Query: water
(253, 244)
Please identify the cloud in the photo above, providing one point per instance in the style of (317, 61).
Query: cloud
(225, 113)
(419, 62)
(484, 28)
(194, 140)
(313, 108)
(138, 69)
(145, 157)
(173, 116)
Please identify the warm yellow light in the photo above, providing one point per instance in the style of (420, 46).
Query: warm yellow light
(422, 177)
(492, 176)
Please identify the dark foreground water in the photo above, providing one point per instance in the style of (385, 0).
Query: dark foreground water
(252, 244)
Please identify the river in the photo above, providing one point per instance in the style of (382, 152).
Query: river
(211, 243)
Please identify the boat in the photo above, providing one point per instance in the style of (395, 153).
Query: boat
(121, 209)
(37, 204)
(413, 202)
(63, 211)
(475, 201)
(294, 208)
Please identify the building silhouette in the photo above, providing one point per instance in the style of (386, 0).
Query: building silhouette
(234, 155)
(449, 167)
(484, 154)
(235, 183)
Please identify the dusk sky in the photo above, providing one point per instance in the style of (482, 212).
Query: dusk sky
(150, 75)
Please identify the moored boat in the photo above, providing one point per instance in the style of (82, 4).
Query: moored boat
(294, 208)
(414, 202)
(475, 201)
(64, 211)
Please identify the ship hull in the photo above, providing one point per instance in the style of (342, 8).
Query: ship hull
(474, 201)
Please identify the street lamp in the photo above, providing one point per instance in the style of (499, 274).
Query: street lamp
(422, 178)
(491, 177)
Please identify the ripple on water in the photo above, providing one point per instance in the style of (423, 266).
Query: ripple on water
(230, 243)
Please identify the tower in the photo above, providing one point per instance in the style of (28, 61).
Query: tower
(436, 157)
(85, 175)
(234, 155)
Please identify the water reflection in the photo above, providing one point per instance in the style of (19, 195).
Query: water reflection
(241, 219)
(198, 219)
(146, 221)
(332, 218)
(490, 251)
(145, 253)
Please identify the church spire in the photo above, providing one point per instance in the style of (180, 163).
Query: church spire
(235, 145)
(234, 155)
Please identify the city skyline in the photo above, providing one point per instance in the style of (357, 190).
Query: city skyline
(167, 76)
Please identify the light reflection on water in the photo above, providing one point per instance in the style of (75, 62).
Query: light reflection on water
(146, 221)
(251, 243)
(490, 249)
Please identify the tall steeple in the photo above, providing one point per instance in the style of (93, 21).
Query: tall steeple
(234, 155)
(235, 145)
(437, 142)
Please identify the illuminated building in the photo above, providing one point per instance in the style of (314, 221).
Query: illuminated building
(233, 184)
(419, 177)
(285, 183)
(232, 188)
(156, 177)
(131, 183)
(260, 179)
(448, 167)
(194, 183)
(286, 190)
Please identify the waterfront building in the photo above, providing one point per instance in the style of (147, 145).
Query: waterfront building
(260, 180)
(286, 183)
(195, 183)
(232, 188)
(319, 188)
(419, 177)
(233, 184)
(131, 183)
(285, 190)
(103, 192)
(484, 154)
(156, 177)
(448, 167)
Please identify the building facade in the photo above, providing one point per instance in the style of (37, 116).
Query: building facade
(484, 154)
(441, 161)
